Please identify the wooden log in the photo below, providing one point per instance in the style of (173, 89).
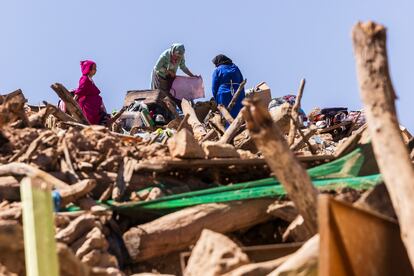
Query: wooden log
(71, 105)
(76, 229)
(178, 230)
(232, 130)
(295, 113)
(126, 170)
(27, 170)
(12, 109)
(236, 95)
(198, 128)
(294, 178)
(76, 191)
(9, 188)
(378, 95)
(225, 113)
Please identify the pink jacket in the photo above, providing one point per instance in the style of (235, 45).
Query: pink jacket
(89, 99)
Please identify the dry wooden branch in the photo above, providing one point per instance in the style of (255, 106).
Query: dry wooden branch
(304, 139)
(71, 105)
(116, 116)
(72, 174)
(232, 130)
(281, 160)
(27, 170)
(198, 128)
(76, 191)
(369, 41)
(225, 113)
(295, 113)
(236, 95)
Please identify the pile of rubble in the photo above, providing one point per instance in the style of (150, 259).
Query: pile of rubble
(157, 191)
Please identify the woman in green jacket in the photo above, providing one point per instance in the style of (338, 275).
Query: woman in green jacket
(166, 68)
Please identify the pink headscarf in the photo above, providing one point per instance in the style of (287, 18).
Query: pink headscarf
(86, 66)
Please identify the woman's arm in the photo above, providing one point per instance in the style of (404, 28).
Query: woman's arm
(185, 69)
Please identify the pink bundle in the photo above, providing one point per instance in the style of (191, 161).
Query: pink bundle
(188, 88)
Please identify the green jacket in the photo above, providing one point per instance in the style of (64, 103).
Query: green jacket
(164, 63)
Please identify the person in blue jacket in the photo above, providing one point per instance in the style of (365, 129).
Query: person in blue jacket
(226, 80)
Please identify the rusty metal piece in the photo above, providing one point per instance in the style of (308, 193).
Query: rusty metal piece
(354, 241)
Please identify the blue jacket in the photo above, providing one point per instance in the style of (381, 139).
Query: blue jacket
(223, 76)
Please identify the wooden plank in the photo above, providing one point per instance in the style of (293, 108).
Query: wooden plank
(71, 105)
(378, 96)
(38, 228)
(283, 163)
(372, 248)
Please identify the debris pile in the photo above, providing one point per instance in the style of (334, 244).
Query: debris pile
(193, 191)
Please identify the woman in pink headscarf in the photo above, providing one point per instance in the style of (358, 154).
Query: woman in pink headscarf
(87, 94)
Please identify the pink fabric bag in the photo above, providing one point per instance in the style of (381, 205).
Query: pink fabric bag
(189, 88)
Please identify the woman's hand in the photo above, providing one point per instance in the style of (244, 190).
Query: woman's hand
(171, 74)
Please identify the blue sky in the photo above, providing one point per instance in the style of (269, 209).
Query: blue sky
(274, 41)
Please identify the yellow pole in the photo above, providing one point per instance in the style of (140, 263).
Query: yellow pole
(38, 225)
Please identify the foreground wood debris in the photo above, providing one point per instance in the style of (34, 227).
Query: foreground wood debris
(192, 197)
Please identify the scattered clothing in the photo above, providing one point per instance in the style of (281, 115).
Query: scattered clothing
(89, 99)
(226, 80)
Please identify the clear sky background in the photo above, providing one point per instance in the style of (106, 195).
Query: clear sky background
(275, 41)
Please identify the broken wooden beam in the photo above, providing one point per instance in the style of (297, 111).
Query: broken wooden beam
(295, 113)
(71, 105)
(198, 128)
(283, 163)
(232, 130)
(179, 230)
(236, 95)
(27, 170)
(304, 139)
(225, 113)
(378, 95)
